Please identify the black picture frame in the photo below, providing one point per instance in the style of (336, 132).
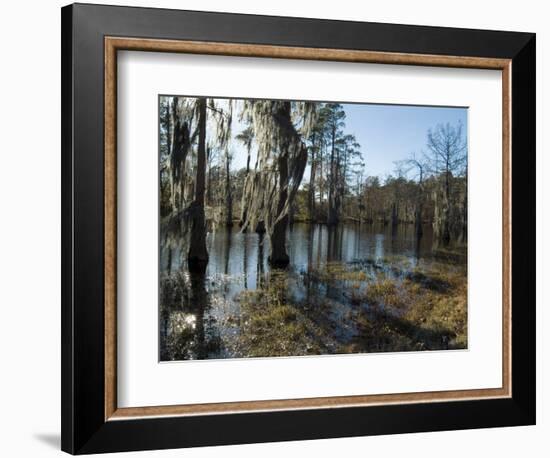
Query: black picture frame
(84, 429)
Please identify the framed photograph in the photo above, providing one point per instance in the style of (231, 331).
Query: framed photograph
(281, 228)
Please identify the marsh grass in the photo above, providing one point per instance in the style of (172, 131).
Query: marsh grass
(427, 310)
(410, 308)
(371, 305)
(271, 325)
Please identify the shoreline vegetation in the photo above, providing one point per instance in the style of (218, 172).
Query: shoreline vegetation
(423, 310)
(237, 281)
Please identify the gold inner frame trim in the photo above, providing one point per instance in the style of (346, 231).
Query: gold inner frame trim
(114, 44)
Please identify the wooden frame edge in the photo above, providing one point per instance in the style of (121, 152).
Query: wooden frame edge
(112, 45)
(110, 202)
(291, 52)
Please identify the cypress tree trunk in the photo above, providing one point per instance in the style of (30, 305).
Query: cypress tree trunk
(321, 188)
(394, 215)
(249, 146)
(260, 228)
(228, 195)
(291, 213)
(446, 235)
(312, 183)
(441, 215)
(244, 203)
(278, 256)
(197, 257)
(332, 215)
(418, 221)
(209, 178)
(419, 207)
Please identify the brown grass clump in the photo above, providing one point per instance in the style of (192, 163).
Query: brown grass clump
(270, 326)
(425, 311)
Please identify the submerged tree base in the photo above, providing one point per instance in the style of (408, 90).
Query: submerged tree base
(197, 264)
(279, 262)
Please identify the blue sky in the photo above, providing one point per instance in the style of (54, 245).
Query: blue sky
(389, 133)
(386, 133)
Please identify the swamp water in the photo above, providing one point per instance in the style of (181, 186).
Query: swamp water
(348, 289)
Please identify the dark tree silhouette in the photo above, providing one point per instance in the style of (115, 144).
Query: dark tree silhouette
(197, 257)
